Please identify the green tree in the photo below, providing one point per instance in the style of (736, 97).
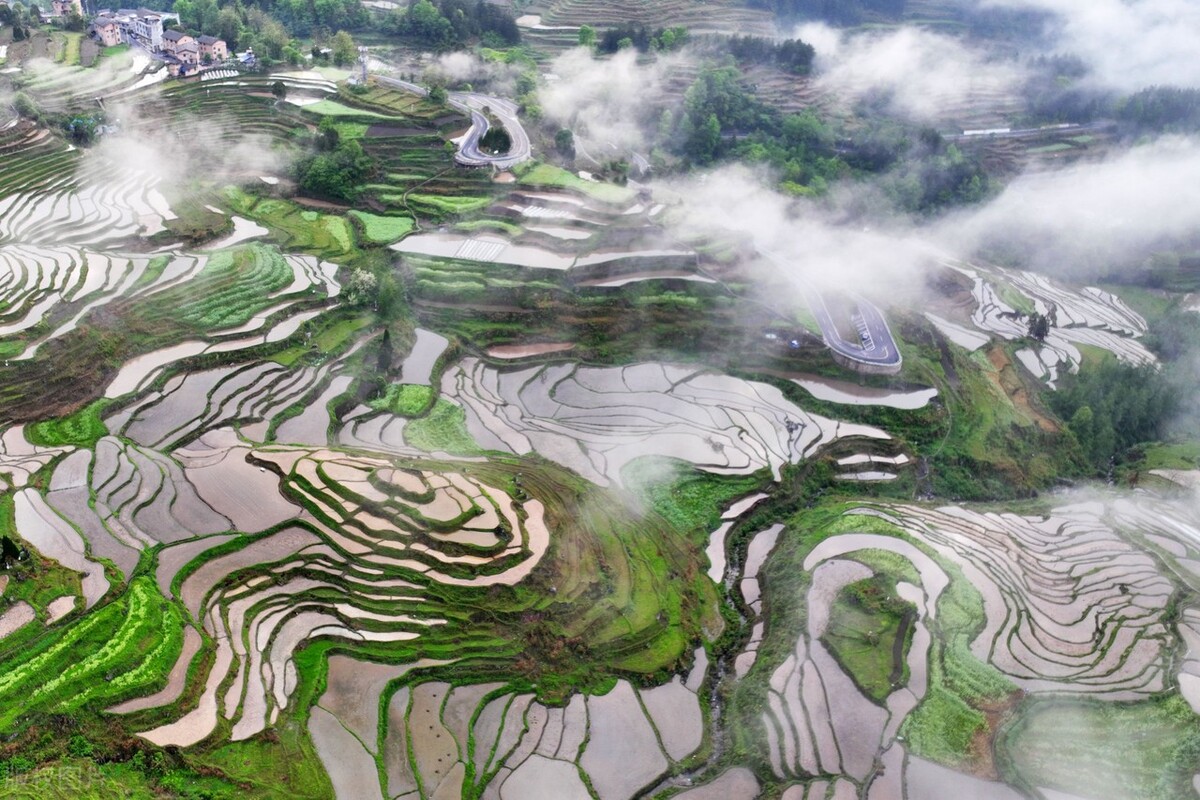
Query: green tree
(279, 89)
(229, 27)
(328, 137)
(344, 51)
(587, 36)
(705, 140)
(25, 107)
(564, 142)
(1039, 326)
(438, 94)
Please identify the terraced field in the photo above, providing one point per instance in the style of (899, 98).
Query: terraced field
(1091, 316)
(466, 487)
(713, 17)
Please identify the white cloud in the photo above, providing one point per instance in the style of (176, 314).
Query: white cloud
(1089, 217)
(607, 102)
(1130, 44)
(926, 74)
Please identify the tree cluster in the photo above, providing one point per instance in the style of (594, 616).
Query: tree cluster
(792, 55)
(1165, 109)
(336, 168)
(924, 174)
(640, 38)
(19, 18)
(1112, 406)
(453, 23)
(303, 17)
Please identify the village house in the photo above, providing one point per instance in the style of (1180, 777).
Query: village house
(212, 49)
(106, 31)
(141, 27)
(61, 8)
(188, 53)
(171, 41)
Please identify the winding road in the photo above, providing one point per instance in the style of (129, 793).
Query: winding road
(473, 104)
(875, 351)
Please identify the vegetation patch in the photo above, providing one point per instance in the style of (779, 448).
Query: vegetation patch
(127, 646)
(688, 498)
(869, 631)
(405, 399)
(440, 205)
(1147, 750)
(83, 428)
(550, 175)
(444, 428)
(383, 229)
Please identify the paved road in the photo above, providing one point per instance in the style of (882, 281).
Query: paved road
(876, 348)
(472, 104)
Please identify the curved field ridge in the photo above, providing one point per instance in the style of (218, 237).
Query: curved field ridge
(367, 527)
(19, 459)
(817, 720)
(517, 748)
(396, 517)
(51, 535)
(1088, 316)
(1069, 605)
(595, 420)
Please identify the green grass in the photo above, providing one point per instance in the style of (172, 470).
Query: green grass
(110, 52)
(232, 287)
(383, 230)
(550, 175)
(1183, 455)
(444, 428)
(294, 227)
(351, 130)
(865, 621)
(1057, 147)
(1103, 750)
(329, 108)
(942, 727)
(113, 652)
(285, 765)
(1014, 297)
(82, 429)
(79, 779)
(439, 205)
(1152, 304)
(490, 225)
(405, 399)
(687, 498)
(334, 336)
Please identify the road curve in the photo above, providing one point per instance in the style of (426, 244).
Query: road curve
(472, 104)
(876, 350)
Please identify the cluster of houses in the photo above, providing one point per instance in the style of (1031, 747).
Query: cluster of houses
(183, 53)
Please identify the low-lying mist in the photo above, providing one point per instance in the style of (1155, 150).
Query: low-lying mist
(607, 102)
(191, 147)
(1129, 44)
(921, 74)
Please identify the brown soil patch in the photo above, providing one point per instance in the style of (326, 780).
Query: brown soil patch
(1009, 380)
(313, 203)
(983, 745)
